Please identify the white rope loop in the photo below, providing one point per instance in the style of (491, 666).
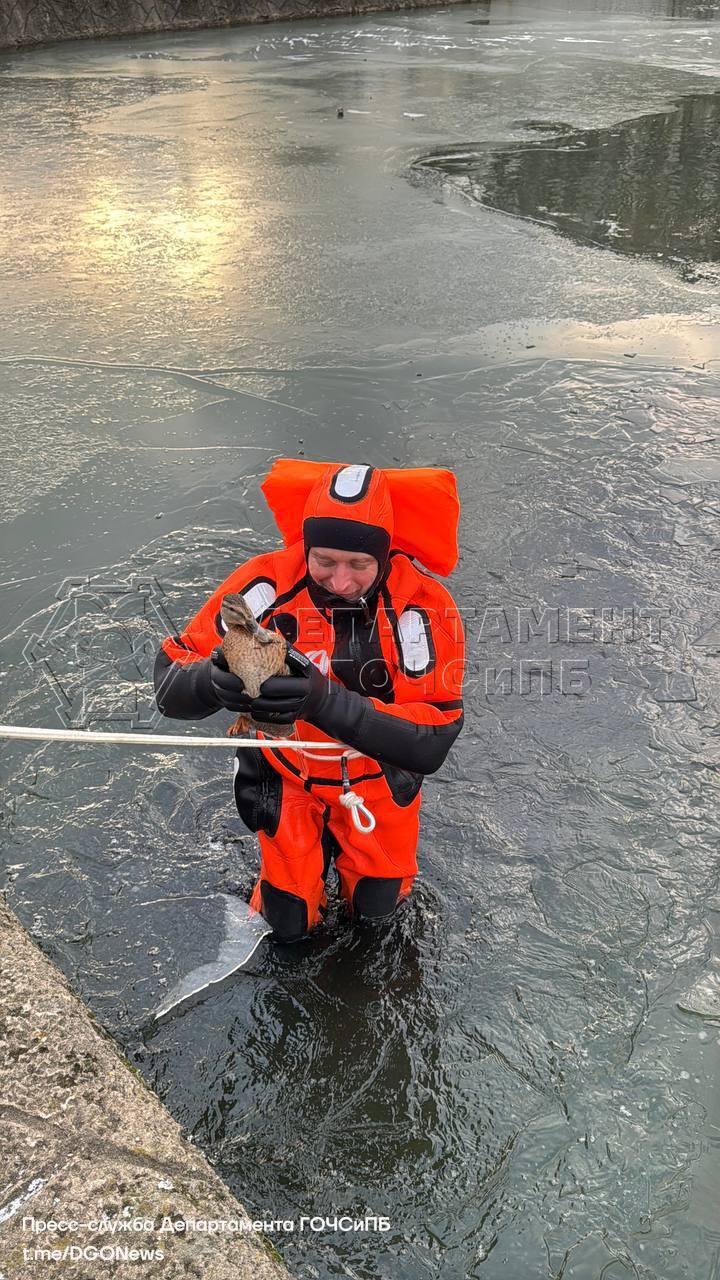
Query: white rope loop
(359, 811)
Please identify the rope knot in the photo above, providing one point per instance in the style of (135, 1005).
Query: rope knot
(363, 818)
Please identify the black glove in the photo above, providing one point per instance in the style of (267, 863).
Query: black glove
(227, 688)
(184, 692)
(197, 689)
(284, 699)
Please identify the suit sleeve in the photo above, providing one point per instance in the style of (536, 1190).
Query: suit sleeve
(183, 689)
(416, 730)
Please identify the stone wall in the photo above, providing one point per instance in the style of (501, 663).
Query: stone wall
(85, 1142)
(28, 22)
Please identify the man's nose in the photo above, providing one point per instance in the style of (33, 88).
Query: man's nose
(341, 580)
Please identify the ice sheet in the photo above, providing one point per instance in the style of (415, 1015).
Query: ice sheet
(244, 931)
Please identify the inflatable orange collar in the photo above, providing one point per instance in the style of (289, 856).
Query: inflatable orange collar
(356, 507)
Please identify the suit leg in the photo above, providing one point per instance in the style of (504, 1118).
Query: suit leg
(377, 869)
(290, 890)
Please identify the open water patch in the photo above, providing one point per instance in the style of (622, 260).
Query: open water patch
(645, 186)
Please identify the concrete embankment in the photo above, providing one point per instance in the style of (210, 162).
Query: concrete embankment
(87, 1146)
(26, 22)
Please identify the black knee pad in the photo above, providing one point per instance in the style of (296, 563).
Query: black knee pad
(284, 911)
(375, 896)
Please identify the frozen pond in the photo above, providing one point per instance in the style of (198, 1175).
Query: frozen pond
(502, 258)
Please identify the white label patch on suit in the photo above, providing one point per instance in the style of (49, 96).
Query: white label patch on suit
(260, 597)
(320, 659)
(413, 641)
(348, 483)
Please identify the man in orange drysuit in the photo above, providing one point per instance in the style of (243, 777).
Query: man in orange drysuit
(376, 654)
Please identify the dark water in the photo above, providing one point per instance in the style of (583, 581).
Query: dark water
(646, 186)
(204, 268)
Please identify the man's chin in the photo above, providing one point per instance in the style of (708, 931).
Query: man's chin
(331, 598)
(341, 599)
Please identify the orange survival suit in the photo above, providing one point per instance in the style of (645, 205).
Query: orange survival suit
(387, 673)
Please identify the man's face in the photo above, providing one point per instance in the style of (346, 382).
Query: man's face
(345, 573)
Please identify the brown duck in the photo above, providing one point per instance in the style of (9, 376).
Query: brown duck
(252, 653)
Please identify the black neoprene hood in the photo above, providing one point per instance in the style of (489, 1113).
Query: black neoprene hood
(347, 535)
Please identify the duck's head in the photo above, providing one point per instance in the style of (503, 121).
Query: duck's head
(237, 614)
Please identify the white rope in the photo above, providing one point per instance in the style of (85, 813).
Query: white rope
(346, 753)
(362, 816)
(156, 740)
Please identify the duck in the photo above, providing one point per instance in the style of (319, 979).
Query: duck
(253, 653)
